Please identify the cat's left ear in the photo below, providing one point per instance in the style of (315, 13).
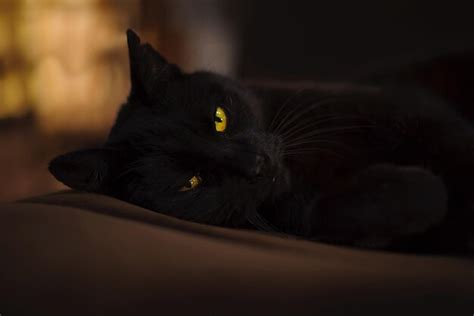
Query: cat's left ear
(148, 69)
(83, 170)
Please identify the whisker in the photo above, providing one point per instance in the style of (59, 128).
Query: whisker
(290, 115)
(329, 131)
(306, 123)
(261, 223)
(313, 106)
(312, 150)
(134, 166)
(316, 141)
(280, 109)
(325, 119)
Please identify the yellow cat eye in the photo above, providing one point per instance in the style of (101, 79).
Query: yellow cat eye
(220, 119)
(192, 183)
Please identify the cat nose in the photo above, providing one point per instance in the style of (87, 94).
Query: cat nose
(261, 161)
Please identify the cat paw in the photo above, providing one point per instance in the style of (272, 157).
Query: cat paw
(402, 200)
(382, 203)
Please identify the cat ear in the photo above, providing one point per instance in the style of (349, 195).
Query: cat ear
(148, 69)
(82, 170)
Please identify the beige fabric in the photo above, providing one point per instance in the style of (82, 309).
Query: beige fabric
(74, 253)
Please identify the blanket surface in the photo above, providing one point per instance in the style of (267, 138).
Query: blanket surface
(74, 253)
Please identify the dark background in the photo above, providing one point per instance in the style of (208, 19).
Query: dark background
(333, 39)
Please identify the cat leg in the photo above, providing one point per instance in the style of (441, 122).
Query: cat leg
(378, 205)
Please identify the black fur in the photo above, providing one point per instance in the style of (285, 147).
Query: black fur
(366, 165)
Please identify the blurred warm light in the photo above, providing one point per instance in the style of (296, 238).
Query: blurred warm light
(12, 91)
(5, 38)
(64, 60)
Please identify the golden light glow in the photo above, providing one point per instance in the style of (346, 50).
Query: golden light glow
(66, 61)
(13, 95)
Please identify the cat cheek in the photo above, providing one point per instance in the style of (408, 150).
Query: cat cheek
(83, 170)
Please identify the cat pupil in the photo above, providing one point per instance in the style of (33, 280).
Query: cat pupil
(192, 183)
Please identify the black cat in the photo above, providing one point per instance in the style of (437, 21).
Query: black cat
(363, 165)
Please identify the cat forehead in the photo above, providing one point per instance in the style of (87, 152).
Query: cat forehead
(216, 83)
(201, 92)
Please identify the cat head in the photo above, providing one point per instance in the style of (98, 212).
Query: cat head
(188, 145)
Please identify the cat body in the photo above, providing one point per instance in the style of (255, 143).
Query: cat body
(366, 165)
(374, 166)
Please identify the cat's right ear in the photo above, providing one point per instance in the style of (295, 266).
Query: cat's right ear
(148, 68)
(83, 170)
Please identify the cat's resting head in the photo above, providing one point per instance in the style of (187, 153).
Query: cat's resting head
(189, 145)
